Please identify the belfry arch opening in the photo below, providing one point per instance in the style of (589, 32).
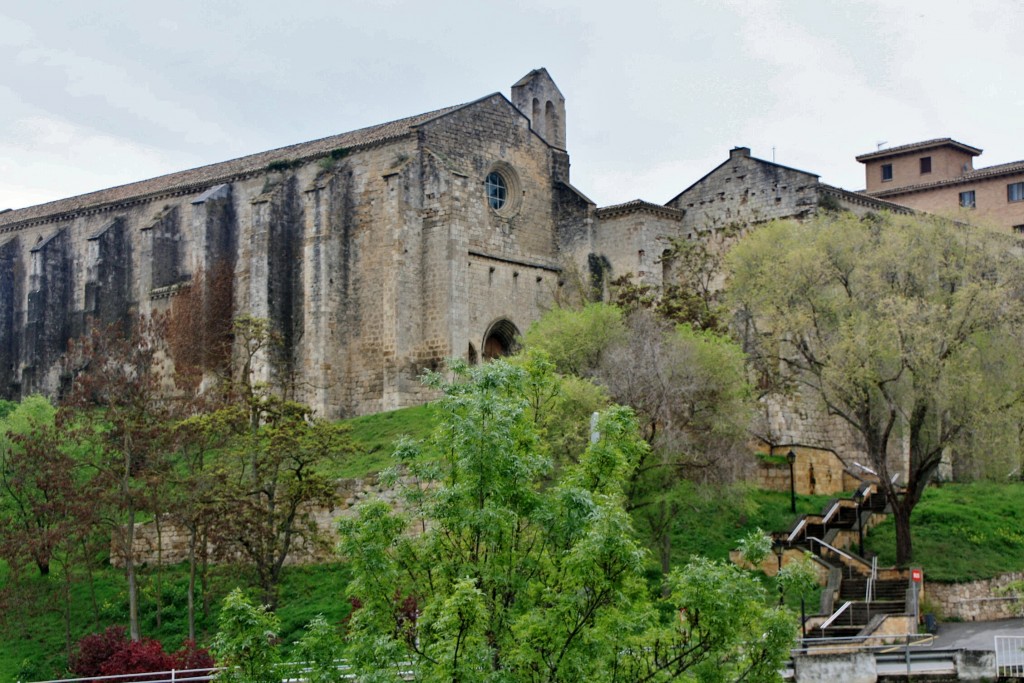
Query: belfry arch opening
(500, 340)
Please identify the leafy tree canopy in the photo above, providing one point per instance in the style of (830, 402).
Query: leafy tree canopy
(520, 578)
(907, 328)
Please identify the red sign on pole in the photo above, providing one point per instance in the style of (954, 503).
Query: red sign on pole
(916, 575)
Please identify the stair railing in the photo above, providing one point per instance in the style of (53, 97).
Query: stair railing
(831, 511)
(834, 549)
(869, 592)
(828, 622)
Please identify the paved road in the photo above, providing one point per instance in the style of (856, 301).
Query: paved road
(975, 635)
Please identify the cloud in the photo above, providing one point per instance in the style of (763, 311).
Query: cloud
(43, 158)
(64, 79)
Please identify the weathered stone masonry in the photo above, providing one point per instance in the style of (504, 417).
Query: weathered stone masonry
(374, 254)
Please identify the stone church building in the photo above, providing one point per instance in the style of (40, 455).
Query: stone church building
(374, 254)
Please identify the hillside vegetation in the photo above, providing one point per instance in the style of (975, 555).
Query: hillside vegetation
(964, 532)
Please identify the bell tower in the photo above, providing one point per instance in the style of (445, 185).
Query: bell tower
(537, 96)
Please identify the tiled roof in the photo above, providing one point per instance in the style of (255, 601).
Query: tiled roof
(918, 146)
(639, 205)
(204, 176)
(1014, 167)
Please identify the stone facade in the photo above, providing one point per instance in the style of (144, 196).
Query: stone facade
(816, 471)
(374, 254)
(745, 191)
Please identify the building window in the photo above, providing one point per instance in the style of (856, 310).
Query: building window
(886, 172)
(967, 199)
(1015, 192)
(926, 165)
(497, 190)
(1018, 229)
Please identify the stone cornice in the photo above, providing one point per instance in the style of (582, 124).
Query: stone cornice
(640, 206)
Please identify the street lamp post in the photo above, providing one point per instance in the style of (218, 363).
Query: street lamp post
(860, 521)
(779, 549)
(791, 459)
(803, 619)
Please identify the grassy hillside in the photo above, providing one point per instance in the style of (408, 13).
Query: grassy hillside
(962, 532)
(32, 614)
(713, 520)
(374, 438)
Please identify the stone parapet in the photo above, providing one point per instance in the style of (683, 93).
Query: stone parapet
(976, 600)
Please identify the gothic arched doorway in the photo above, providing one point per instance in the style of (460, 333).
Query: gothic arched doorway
(500, 339)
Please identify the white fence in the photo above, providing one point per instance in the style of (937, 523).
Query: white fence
(1010, 656)
(173, 676)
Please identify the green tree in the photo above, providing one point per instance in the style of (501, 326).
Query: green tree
(246, 644)
(574, 339)
(273, 485)
(319, 652)
(197, 487)
(118, 408)
(560, 406)
(37, 480)
(517, 578)
(688, 388)
(799, 578)
(47, 510)
(907, 328)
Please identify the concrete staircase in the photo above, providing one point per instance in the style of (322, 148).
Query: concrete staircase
(859, 599)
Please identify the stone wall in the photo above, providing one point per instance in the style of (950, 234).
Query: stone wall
(169, 545)
(856, 667)
(976, 600)
(816, 471)
(371, 262)
(802, 419)
(632, 238)
(746, 190)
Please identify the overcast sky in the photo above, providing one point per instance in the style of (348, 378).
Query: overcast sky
(96, 93)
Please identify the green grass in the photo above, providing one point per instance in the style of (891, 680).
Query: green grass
(374, 438)
(31, 617)
(961, 532)
(33, 628)
(712, 521)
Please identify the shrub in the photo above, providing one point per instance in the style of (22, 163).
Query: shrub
(110, 653)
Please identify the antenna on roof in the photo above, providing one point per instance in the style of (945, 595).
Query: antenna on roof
(878, 145)
(773, 154)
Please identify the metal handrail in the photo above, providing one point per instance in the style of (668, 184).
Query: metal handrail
(869, 592)
(835, 615)
(865, 642)
(799, 527)
(288, 669)
(831, 511)
(841, 553)
(865, 468)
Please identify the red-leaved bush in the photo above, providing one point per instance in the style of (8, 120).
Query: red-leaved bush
(111, 653)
